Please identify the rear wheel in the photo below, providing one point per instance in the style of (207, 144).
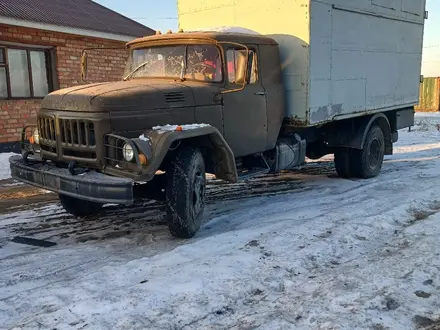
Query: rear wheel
(79, 207)
(368, 161)
(185, 193)
(365, 163)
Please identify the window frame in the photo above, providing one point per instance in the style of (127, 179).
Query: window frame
(49, 71)
(4, 64)
(2, 51)
(255, 60)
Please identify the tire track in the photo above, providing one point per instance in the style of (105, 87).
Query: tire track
(41, 218)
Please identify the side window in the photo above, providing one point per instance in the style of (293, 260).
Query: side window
(236, 59)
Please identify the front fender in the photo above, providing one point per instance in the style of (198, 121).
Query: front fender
(156, 143)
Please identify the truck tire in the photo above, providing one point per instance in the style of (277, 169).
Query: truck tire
(185, 193)
(365, 163)
(368, 162)
(79, 207)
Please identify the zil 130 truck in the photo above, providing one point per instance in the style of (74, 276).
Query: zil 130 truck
(301, 79)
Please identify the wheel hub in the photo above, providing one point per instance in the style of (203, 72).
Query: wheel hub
(198, 194)
(374, 153)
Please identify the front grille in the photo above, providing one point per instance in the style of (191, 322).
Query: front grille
(46, 128)
(75, 137)
(77, 132)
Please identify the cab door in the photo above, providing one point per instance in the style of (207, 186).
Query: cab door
(245, 111)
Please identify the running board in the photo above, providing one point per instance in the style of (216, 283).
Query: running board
(252, 173)
(258, 171)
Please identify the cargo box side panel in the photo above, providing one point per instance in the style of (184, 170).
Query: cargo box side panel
(364, 57)
(320, 79)
(285, 21)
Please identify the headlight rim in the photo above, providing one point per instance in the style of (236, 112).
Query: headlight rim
(126, 146)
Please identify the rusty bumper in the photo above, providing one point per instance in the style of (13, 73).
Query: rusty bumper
(91, 185)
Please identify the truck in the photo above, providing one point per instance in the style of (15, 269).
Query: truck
(275, 83)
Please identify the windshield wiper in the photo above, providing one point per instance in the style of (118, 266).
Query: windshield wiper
(137, 68)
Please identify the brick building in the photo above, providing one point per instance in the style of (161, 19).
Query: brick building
(40, 51)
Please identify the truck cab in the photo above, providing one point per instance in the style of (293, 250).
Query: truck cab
(222, 71)
(201, 101)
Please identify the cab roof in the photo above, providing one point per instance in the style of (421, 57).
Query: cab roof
(245, 38)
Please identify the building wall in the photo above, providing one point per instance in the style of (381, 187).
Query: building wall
(104, 65)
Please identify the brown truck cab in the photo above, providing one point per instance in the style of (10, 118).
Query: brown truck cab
(189, 103)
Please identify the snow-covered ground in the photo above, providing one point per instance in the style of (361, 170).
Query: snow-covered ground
(324, 253)
(5, 171)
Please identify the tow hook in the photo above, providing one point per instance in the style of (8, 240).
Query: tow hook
(72, 167)
(26, 155)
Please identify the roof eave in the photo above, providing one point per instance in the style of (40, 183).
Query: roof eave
(65, 29)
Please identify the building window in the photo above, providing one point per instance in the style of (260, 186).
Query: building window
(234, 57)
(24, 72)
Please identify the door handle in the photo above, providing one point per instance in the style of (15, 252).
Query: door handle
(260, 93)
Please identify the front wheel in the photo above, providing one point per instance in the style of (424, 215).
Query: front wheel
(185, 193)
(79, 207)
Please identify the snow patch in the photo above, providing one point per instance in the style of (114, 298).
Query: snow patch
(5, 170)
(426, 122)
(172, 128)
(144, 138)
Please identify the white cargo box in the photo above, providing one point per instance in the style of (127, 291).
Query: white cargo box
(340, 58)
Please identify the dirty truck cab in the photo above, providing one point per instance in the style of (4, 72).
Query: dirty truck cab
(189, 103)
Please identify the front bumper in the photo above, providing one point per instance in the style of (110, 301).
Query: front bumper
(91, 186)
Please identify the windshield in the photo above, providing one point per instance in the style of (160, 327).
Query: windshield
(195, 62)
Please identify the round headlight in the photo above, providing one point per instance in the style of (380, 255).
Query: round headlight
(127, 152)
(36, 136)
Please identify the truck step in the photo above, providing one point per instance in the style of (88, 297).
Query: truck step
(260, 167)
(245, 175)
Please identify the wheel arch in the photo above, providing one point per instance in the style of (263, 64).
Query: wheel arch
(382, 121)
(353, 133)
(216, 151)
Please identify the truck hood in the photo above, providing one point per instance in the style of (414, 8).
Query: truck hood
(129, 95)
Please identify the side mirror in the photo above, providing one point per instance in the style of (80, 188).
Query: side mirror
(84, 65)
